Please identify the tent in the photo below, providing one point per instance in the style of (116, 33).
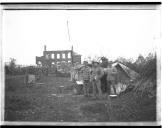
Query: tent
(124, 72)
(124, 76)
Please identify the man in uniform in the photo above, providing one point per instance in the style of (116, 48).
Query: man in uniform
(86, 78)
(97, 74)
(111, 78)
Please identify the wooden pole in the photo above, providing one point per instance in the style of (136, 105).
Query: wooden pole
(72, 59)
(68, 30)
(70, 41)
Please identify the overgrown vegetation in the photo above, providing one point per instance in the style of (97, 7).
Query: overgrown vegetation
(13, 69)
(146, 67)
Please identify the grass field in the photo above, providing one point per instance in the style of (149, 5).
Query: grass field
(44, 103)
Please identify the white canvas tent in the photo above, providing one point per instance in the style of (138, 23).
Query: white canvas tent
(125, 75)
(131, 73)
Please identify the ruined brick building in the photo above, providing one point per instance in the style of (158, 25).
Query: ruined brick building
(51, 58)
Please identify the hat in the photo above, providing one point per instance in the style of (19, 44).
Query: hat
(93, 62)
(85, 61)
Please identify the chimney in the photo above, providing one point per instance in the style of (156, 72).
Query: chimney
(72, 48)
(44, 47)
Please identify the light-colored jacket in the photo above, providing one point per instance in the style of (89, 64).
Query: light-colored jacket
(111, 73)
(97, 73)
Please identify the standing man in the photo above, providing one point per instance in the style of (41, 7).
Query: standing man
(97, 74)
(72, 73)
(86, 78)
(111, 77)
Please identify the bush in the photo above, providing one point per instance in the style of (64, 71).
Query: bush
(147, 80)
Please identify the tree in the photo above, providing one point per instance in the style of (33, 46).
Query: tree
(95, 58)
(148, 75)
(122, 60)
(140, 60)
(150, 56)
(89, 59)
(12, 65)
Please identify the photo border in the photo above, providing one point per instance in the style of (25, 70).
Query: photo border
(12, 6)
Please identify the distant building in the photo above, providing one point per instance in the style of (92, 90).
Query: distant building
(51, 58)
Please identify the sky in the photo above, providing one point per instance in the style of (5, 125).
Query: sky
(110, 33)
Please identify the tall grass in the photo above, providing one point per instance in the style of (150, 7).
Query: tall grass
(148, 77)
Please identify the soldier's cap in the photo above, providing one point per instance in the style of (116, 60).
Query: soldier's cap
(85, 61)
(93, 62)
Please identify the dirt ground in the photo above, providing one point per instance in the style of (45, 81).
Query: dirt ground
(47, 103)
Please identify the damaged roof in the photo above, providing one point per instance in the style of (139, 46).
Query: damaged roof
(131, 73)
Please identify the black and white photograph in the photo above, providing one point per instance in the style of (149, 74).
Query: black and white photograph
(81, 63)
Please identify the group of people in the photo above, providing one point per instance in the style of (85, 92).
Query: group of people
(93, 76)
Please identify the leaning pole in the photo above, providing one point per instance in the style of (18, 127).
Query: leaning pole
(72, 60)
